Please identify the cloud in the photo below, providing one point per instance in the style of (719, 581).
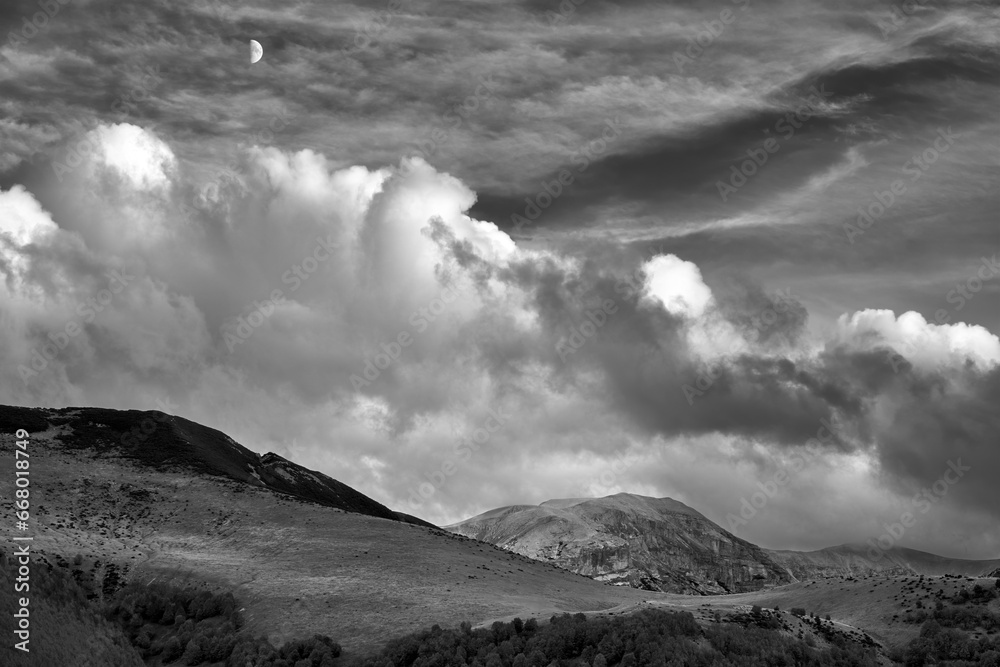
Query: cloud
(928, 346)
(406, 312)
(677, 285)
(362, 257)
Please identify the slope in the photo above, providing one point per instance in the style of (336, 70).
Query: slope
(656, 544)
(179, 508)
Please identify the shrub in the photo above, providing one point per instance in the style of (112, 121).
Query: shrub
(172, 650)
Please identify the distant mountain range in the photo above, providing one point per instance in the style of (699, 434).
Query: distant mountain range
(854, 559)
(661, 544)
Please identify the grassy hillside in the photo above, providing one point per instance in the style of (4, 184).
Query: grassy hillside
(299, 567)
(162, 442)
(64, 629)
(302, 568)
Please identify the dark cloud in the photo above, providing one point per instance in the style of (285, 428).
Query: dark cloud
(777, 321)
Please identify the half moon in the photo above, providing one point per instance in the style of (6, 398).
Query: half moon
(256, 51)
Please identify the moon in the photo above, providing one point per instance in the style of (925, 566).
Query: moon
(256, 51)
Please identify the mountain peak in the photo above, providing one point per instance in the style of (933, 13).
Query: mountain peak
(629, 539)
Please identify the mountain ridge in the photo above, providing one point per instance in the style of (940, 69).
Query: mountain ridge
(163, 441)
(588, 536)
(657, 544)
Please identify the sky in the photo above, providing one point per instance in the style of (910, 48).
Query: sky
(467, 255)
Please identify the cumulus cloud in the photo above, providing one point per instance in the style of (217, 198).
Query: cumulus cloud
(677, 285)
(926, 345)
(363, 322)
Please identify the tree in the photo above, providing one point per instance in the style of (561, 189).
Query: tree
(798, 611)
(930, 629)
(172, 650)
(194, 652)
(600, 660)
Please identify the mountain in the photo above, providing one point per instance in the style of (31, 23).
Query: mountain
(661, 544)
(862, 559)
(174, 442)
(655, 544)
(301, 552)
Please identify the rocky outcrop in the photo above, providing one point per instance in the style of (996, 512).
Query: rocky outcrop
(651, 543)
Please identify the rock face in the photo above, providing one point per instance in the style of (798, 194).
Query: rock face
(651, 543)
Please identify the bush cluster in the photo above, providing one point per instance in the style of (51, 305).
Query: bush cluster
(943, 639)
(191, 627)
(651, 638)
